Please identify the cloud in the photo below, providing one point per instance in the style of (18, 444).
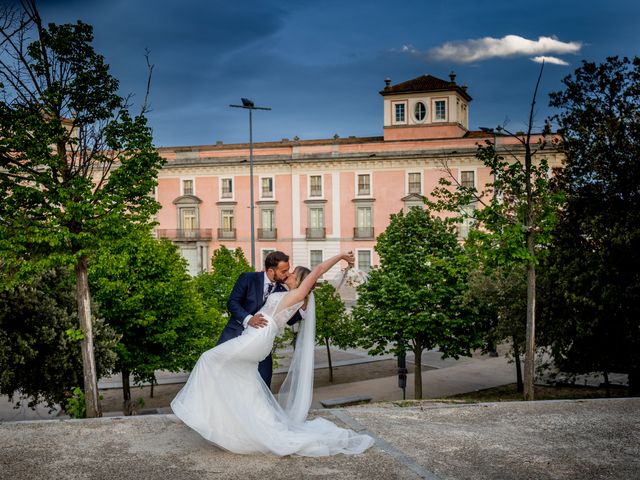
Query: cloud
(546, 59)
(408, 49)
(508, 46)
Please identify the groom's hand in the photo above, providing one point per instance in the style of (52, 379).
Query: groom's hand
(257, 321)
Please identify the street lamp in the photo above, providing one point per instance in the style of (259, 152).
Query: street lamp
(249, 105)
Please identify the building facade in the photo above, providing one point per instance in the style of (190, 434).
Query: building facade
(316, 198)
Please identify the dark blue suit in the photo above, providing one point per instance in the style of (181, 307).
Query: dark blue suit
(246, 299)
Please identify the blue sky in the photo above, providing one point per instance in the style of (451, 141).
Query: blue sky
(320, 64)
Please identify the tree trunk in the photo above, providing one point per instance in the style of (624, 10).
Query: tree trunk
(607, 385)
(529, 359)
(516, 357)
(127, 406)
(326, 340)
(530, 347)
(530, 225)
(88, 361)
(417, 372)
(153, 382)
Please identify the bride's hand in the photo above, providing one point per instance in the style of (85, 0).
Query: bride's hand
(350, 258)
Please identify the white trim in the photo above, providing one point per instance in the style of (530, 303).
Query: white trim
(315, 197)
(358, 250)
(193, 183)
(273, 187)
(182, 208)
(221, 208)
(446, 109)
(355, 179)
(406, 181)
(295, 206)
(468, 169)
(233, 188)
(357, 209)
(393, 112)
(261, 208)
(413, 103)
(315, 249)
(300, 255)
(335, 204)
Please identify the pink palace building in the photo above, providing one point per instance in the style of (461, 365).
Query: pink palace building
(315, 198)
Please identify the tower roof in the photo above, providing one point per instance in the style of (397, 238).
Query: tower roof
(425, 83)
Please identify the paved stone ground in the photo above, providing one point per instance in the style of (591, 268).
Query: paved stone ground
(586, 439)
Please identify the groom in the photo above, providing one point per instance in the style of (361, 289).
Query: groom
(249, 294)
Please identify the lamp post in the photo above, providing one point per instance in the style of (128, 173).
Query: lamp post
(249, 105)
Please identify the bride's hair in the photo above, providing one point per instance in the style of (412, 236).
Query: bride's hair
(301, 273)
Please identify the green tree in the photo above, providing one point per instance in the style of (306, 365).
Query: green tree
(40, 358)
(332, 321)
(594, 266)
(499, 296)
(76, 168)
(145, 294)
(415, 298)
(215, 286)
(514, 216)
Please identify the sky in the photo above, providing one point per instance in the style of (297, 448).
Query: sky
(320, 65)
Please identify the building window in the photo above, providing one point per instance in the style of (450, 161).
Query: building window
(420, 111)
(399, 112)
(227, 223)
(467, 179)
(188, 219)
(227, 188)
(415, 184)
(267, 230)
(268, 218)
(187, 187)
(315, 258)
(316, 228)
(441, 109)
(364, 184)
(267, 187)
(315, 186)
(364, 224)
(364, 260)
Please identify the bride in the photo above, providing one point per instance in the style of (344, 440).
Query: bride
(226, 401)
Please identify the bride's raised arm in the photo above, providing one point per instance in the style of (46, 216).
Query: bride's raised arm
(299, 294)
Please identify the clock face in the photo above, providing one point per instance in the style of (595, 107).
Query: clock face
(420, 111)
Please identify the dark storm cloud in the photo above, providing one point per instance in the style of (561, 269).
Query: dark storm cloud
(320, 65)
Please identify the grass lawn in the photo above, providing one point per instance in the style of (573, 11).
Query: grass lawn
(509, 393)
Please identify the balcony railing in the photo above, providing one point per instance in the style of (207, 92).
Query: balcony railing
(186, 234)
(316, 233)
(226, 233)
(363, 233)
(267, 233)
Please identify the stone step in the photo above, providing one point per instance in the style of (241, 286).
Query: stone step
(345, 401)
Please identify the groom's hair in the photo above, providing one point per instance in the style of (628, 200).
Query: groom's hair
(274, 258)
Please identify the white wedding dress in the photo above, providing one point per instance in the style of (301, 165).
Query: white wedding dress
(226, 401)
